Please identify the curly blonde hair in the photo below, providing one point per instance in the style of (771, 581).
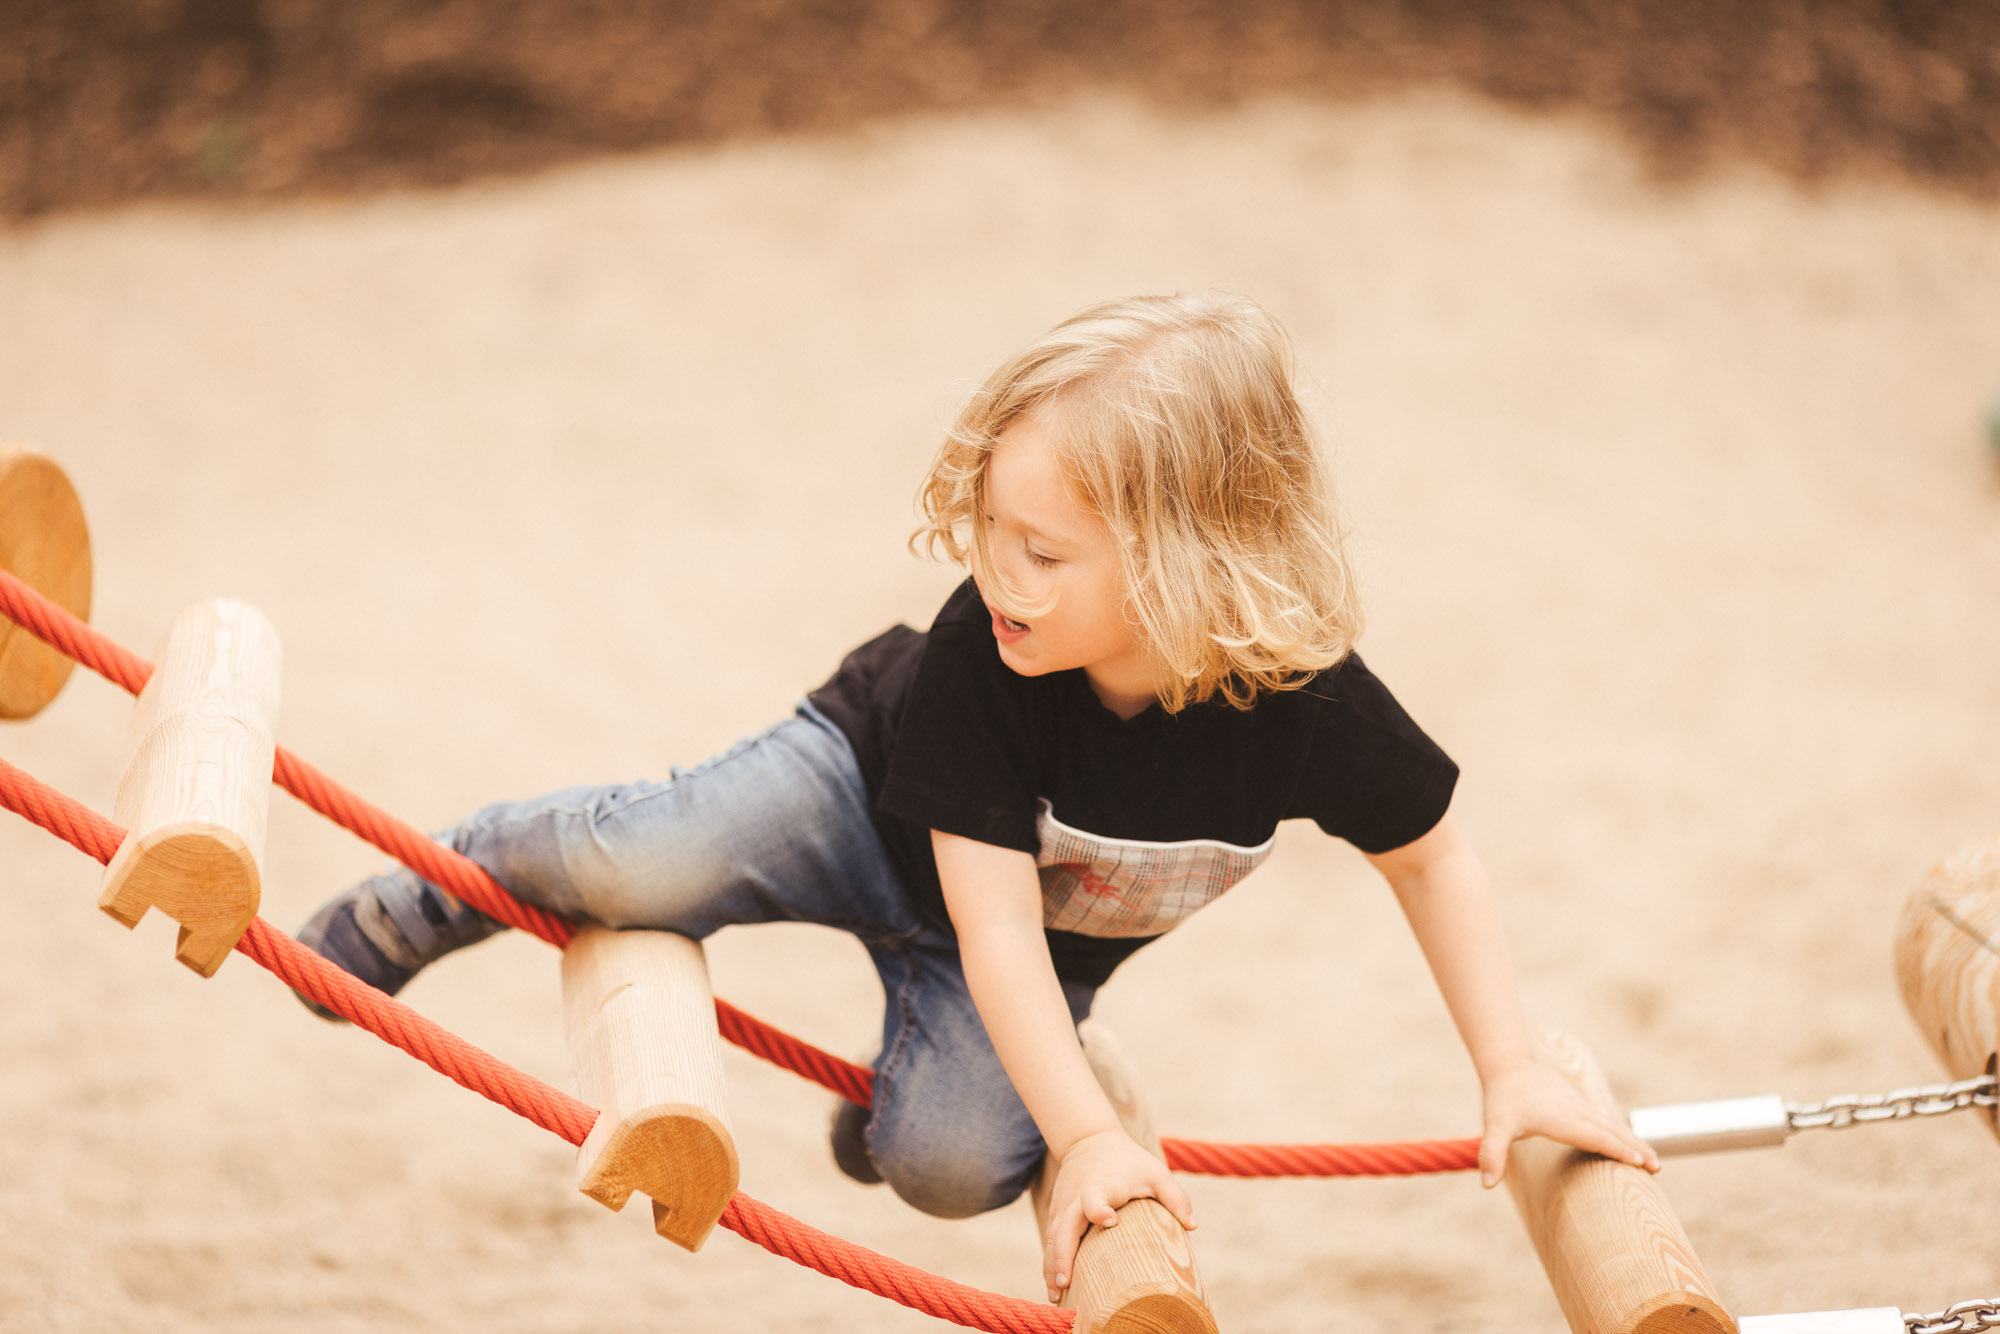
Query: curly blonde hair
(1176, 424)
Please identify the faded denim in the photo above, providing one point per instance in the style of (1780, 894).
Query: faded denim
(777, 830)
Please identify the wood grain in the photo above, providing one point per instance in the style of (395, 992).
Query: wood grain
(45, 543)
(1948, 960)
(196, 792)
(1140, 1276)
(1615, 1254)
(640, 1019)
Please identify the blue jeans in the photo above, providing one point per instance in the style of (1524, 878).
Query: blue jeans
(777, 830)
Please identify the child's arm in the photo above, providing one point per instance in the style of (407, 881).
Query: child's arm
(1442, 887)
(995, 900)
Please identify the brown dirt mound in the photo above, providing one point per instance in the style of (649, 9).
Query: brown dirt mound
(102, 100)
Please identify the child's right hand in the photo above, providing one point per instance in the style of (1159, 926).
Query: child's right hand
(1099, 1173)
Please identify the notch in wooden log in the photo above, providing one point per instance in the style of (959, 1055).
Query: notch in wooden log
(197, 786)
(1616, 1256)
(1948, 961)
(1138, 1277)
(640, 1019)
(44, 543)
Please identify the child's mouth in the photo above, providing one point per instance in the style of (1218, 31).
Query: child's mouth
(1007, 629)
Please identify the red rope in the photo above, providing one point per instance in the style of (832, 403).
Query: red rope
(467, 880)
(1407, 1158)
(856, 1083)
(485, 1074)
(445, 867)
(73, 638)
(886, 1277)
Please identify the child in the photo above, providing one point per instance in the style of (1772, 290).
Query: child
(1149, 668)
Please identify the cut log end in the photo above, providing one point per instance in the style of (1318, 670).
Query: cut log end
(682, 1157)
(643, 1048)
(1168, 1311)
(203, 876)
(1682, 1313)
(45, 543)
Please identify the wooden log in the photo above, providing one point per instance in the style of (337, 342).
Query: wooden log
(46, 545)
(643, 1048)
(1948, 961)
(1138, 1277)
(197, 785)
(1615, 1254)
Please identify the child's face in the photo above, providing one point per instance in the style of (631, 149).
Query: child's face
(1043, 542)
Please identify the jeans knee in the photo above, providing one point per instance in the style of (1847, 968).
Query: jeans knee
(955, 1175)
(949, 1187)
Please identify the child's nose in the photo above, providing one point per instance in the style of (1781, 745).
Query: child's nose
(1015, 570)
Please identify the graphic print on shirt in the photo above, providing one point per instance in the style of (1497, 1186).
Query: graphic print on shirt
(1098, 886)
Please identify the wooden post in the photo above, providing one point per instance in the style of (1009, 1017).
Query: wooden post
(1138, 1277)
(641, 1025)
(45, 544)
(197, 784)
(1614, 1252)
(1948, 961)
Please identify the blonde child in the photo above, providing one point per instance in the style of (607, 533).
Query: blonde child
(1150, 667)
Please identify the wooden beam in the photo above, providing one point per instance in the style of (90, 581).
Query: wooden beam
(46, 545)
(197, 784)
(1138, 1277)
(1948, 961)
(1614, 1252)
(641, 1025)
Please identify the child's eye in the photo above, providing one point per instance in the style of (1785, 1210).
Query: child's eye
(1046, 562)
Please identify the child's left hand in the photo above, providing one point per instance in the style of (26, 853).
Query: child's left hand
(1531, 1099)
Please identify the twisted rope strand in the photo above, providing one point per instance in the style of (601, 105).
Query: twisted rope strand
(1406, 1158)
(856, 1083)
(900, 1282)
(55, 626)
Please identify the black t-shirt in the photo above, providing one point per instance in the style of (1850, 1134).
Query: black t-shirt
(1134, 823)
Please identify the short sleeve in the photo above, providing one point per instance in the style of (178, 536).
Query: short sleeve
(1372, 776)
(964, 760)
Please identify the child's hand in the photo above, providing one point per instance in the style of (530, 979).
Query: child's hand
(1099, 1173)
(1531, 1099)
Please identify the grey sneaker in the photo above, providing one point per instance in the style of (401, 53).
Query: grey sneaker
(385, 929)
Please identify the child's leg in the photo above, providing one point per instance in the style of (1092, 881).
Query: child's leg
(776, 829)
(948, 1131)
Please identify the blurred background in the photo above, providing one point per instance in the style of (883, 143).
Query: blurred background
(102, 100)
(557, 378)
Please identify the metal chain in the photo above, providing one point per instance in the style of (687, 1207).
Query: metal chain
(1979, 1314)
(1847, 1109)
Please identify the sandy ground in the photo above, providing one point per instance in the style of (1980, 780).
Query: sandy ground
(1677, 531)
